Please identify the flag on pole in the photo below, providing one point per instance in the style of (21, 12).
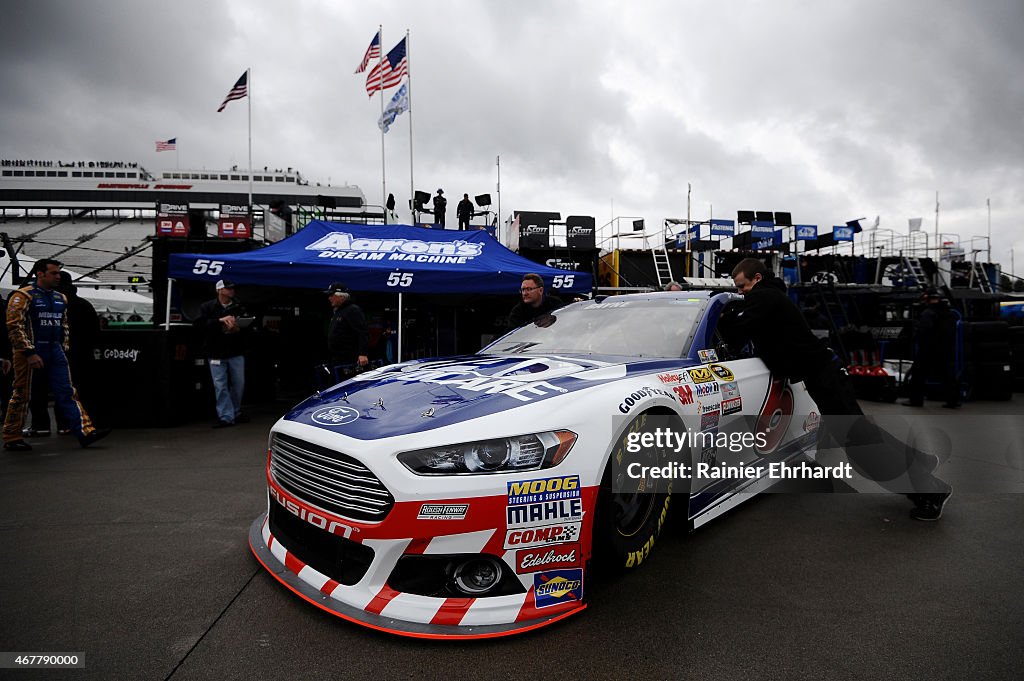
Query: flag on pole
(915, 224)
(372, 52)
(389, 72)
(398, 104)
(169, 145)
(239, 91)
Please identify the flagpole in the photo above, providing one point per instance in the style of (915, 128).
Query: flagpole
(383, 172)
(248, 80)
(408, 93)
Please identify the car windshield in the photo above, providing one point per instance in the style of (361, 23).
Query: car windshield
(636, 328)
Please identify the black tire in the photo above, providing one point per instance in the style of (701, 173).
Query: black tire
(630, 513)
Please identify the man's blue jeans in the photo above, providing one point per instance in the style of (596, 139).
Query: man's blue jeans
(228, 376)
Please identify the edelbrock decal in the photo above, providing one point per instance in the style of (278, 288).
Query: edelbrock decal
(334, 416)
(552, 558)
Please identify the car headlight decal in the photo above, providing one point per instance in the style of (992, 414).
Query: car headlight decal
(497, 455)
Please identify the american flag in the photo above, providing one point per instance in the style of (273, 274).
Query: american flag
(240, 90)
(395, 66)
(372, 52)
(169, 145)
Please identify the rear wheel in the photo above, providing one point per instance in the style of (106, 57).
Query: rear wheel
(633, 505)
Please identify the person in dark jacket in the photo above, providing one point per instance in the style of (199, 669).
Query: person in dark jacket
(225, 352)
(464, 211)
(348, 337)
(440, 207)
(534, 303)
(783, 340)
(934, 343)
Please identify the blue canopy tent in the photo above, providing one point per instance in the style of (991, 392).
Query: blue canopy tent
(379, 258)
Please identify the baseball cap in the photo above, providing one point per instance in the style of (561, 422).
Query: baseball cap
(336, 287)
(224, 283)
(440, 191)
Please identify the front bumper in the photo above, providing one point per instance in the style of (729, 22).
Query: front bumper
(373, 604)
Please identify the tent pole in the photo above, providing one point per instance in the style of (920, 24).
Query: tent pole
(398, 354)
(167, 308)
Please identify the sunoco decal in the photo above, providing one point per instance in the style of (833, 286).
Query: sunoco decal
(557, 586)
(442, 512)
(342, 245)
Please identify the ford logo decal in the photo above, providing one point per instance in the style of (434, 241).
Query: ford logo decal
(335, 416)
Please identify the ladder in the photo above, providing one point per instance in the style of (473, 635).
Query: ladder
(662, 267)
(978, 279)
(913, 271)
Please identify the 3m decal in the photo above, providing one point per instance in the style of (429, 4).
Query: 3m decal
(557, 586)
(685, 393)
(554, 557)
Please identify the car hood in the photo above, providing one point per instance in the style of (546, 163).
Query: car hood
(427, 394)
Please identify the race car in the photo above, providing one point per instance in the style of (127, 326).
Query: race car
(474, 496)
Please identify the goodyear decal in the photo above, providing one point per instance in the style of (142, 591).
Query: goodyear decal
(722, 372)
(701, 374)
(557, 586)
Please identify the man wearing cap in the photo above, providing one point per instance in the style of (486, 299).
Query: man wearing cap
(348, 338)
(440, 206)
(225, 349)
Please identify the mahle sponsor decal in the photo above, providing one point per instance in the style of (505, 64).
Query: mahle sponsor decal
(557, 586)
(529, 515)
(442, 512)
(551, 558)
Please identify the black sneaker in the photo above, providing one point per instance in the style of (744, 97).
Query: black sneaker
(223, 424)
(928, 507)
(93, 437)
(17, 446)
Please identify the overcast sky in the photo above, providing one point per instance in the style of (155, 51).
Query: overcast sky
(829, 110)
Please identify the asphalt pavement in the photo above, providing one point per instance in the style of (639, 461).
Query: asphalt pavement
(134, 554)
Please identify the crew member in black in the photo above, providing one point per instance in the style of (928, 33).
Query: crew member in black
(534, 303)
(225, 352)
(783, 340)
(348, 338)
(934, 341)
(440, 207)
(464, 211)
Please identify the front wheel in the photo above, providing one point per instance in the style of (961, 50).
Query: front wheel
(632, 505)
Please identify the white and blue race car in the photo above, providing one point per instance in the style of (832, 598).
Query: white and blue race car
(470, 497)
